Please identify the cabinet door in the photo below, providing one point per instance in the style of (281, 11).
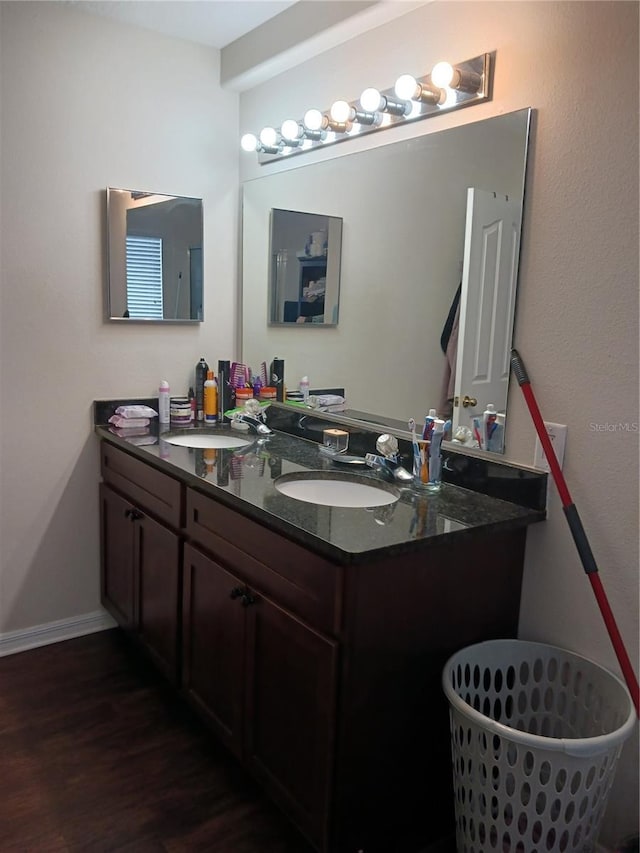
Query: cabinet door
(117, 573)
(290, 711)
(157, 566)
(213, 645)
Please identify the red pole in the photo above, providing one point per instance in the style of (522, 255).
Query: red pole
(577, 531)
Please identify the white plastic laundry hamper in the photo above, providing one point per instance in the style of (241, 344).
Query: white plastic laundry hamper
(536, 733)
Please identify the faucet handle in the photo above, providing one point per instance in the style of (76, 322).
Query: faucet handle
(387, 445)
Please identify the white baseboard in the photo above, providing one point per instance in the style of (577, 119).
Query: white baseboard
(54, 632)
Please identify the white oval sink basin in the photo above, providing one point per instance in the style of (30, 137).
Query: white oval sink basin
(316, 487)
(205, 440)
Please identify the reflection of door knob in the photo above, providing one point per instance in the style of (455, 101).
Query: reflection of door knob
(469, 401)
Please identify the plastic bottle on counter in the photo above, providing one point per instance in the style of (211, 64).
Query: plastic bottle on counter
(210, 399)
(304, 389)
(202, 369)
(164, 403)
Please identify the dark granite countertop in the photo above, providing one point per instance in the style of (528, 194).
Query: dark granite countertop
(243, 478)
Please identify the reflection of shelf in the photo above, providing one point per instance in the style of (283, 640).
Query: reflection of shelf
(311, 269)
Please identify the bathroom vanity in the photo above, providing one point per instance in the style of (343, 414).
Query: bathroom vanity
(310, 639)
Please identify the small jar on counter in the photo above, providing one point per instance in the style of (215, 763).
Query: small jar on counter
(267, 392)
(180, 411)
(242, 395)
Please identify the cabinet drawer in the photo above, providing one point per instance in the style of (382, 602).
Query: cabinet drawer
(296, 578)
(145, 486)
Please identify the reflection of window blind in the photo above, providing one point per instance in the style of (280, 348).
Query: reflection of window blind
(144, 277)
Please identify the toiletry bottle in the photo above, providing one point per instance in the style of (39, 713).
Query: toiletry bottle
(304, 388)
(225, 397)
(210, 399)
(164, 403)
(201, 375)
(488, 424)
(428, 425)
(192, 403)
(277, 379)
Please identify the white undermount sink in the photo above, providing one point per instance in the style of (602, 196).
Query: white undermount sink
(204, 440)
(329, 489)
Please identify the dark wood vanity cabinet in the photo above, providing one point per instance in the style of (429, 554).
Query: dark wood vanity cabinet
(265, 683)
(141, 560)
(259, 664)
(323, 678)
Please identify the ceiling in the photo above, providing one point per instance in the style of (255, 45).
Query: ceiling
(216, 23)
(253, 45)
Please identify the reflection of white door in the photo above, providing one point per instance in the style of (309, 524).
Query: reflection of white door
(487, 304)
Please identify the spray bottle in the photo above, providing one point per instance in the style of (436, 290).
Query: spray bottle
(201, 375)
(164, 403)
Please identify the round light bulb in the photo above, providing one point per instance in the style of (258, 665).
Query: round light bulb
(371, 100)
(340, 111)
(269, 137)
(442, 74)
(313, 119)
(249, 142)
(290, 129)
(406, 87)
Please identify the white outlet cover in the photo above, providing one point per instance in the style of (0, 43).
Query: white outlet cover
(558, 436)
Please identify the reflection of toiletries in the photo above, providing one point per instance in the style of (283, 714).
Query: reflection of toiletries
(476, 432)
(164, 403)
(210, 399)
(496, 440)
(488, 424)
(201, 375)
(428, 425)
(304, 389)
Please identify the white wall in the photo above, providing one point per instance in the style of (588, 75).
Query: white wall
(88, 103)
(576, 64)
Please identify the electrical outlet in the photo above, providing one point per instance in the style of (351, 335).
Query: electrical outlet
(558, 436)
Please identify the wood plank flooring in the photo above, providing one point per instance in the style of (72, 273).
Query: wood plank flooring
(97, 755)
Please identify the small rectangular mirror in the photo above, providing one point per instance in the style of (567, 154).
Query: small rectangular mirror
(155, 260)
(304, 268)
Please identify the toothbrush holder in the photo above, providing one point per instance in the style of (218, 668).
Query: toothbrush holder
(427, 466)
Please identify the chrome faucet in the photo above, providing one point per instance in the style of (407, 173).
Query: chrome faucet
(254, 422)
(388, 462)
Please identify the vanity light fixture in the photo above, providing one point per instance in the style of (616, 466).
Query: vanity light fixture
(295, 134)
(314, 120)
(342, 111)
(448, 87)
(445, 75)
(408, 88)
(373, 100)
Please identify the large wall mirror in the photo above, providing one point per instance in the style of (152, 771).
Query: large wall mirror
(155, 261)
(430, 244)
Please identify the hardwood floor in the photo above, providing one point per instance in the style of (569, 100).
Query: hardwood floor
(97, 755)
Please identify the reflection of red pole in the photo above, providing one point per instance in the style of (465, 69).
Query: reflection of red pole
(577, 530)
